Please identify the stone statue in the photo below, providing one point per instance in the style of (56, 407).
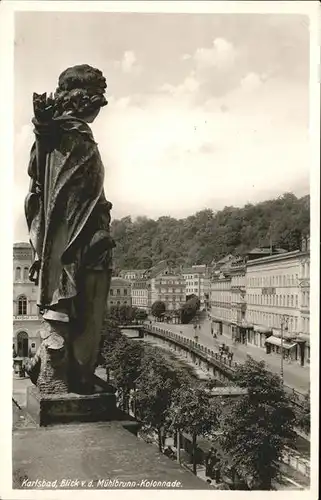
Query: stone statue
(68, 219)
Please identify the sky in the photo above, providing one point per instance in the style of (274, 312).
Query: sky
(204, 110)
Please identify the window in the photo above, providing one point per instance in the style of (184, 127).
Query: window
(296, 301)
(125, 291)
(111, 302)
(118, 303)
(287, 300)
(292, 301)
(111, 292)
(26, 274)
(33, 344)
(22, 306)
(118, 291)
(18, 273)
(277, 300)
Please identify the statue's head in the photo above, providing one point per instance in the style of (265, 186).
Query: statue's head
(80, 92)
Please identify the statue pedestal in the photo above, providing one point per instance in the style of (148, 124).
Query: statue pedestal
(49, 409)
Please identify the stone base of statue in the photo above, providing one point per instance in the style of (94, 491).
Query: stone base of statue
(48, 409)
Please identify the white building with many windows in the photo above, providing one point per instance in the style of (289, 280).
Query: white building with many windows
(221, 300)
(198, 283)
(141, 294)
(277, 302)
(171, 289)
(26, 319)
(263, 299)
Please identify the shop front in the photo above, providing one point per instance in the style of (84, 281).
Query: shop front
(274, 345)
(260, 335)
(217, 326)
(240, 332)
(303, 342)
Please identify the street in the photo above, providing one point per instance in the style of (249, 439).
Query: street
(295, 376)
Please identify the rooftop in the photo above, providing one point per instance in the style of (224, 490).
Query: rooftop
(116, 281)
(265, 258)
(21, 244)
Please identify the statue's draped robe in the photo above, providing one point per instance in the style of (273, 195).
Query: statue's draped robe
(66, 207)
(68, 217)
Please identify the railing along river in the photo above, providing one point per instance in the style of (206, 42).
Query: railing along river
(212, 357)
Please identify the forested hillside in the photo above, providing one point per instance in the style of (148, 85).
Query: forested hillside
(209, 235)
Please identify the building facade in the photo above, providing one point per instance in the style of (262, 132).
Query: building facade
(170, 289)
(119, 292)
(264, 298)
(198, 283)
(26, 319)
(141, 294)
(132, 274)
(239, 324)
(277, 303)
(220, 304)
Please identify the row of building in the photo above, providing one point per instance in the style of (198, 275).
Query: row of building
(265, 297)
(253, 299)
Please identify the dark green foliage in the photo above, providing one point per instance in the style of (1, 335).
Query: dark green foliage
(125, 362)
(141, 315)
(194, 412)
(154, 390)
(123, 314)
(259, 425)
(208, 235)
(189, 310)
(109, 337)
(158, 308)
(304, 417)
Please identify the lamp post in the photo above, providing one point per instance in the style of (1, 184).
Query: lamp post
(284, 327)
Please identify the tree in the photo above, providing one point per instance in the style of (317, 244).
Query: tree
(304, 418)
(154, 391)
(158, 309)
(258, 426)
(144, 242)
(126, 364)
(193, 411)
(189, 309)
(141, 315)
(110, 335)
(124, 314)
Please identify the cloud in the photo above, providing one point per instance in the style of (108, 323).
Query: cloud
(128, 63)
(168, 154)
(170, 150)
(252, 81)
(190, 85)
(220, 55)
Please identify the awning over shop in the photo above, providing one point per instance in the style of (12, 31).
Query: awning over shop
(242, 324)
(303, 338)
(277, 341)
(262, 329)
